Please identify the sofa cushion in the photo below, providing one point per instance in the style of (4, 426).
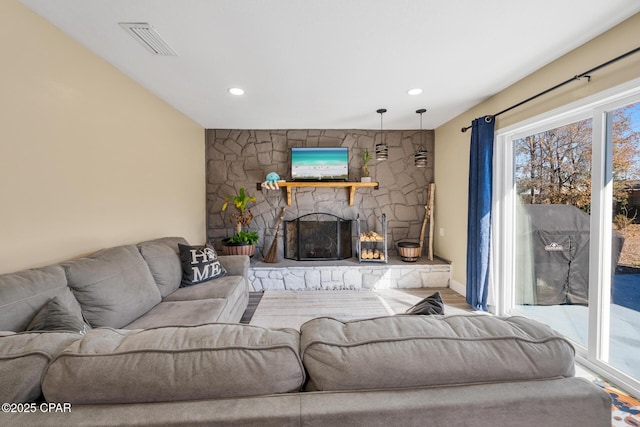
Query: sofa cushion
(180, 313)
(175, 364)
(412, 351)
(23, 359)
(56, 316)
(163, 259)
(232, 289)
(114, 286)
(224, 287)
(24, 293)
(236, 265)
(199, 264)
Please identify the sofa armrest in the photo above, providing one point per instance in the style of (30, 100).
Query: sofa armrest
(236, 265)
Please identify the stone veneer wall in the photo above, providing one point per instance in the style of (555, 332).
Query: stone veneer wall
(341, 277)
(242, 158)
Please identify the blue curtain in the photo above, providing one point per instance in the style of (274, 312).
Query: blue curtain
(479, 213)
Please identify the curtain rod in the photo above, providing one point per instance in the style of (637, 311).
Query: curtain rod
(576, 77)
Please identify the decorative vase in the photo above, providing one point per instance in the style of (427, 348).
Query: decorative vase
(365, 179)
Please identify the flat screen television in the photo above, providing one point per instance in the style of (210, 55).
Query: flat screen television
(320, 163)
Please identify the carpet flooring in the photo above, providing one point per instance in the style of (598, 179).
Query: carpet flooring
(279, 309)
(290, 309)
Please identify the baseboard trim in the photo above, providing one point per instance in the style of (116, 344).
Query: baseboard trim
(458, 287)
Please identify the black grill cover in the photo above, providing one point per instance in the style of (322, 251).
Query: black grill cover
(558, 244)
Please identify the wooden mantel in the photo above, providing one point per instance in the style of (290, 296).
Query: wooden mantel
(352, 186)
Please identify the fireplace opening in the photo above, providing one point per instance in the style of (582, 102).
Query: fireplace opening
(317, 237)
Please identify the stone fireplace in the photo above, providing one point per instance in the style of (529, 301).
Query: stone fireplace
(242, 158)
(317, 237)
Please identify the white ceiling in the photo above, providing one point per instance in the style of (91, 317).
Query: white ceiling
(330, 64)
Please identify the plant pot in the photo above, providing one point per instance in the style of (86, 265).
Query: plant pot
(365, 179)
(237, 248)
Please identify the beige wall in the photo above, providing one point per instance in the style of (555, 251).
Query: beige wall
(452, 146)
(88, 158)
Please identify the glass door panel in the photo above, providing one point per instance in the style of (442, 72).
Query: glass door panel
(624, 310)
(567, 246)
(553, 190)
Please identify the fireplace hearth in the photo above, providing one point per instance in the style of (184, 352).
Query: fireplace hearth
(317, 237)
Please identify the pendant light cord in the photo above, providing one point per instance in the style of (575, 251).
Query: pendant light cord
(421, 111)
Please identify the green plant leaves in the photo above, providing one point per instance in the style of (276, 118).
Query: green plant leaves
(246, 237)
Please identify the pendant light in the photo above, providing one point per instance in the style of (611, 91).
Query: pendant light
(421, 153)
(382, 151)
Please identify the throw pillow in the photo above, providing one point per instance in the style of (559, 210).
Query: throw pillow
(199, 264)
(430, 305)
(55, 316)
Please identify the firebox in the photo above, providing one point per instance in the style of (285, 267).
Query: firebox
(317, 237)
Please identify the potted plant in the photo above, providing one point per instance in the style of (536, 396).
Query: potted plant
(242, 242)
(366, 175)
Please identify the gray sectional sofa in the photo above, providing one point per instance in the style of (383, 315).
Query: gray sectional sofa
(125, 287)
(162, 355)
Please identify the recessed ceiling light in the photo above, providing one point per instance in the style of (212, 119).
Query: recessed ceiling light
(415, 91)
(236, 91)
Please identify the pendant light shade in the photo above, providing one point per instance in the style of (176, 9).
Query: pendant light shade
(421, 153)
(382, 151)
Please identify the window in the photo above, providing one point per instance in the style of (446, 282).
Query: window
(567, 227)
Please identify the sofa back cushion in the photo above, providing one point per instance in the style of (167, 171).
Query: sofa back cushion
(113, 286)
(415, 351)
(24, 293)
(23, 359)
(175, 363)
(163, 259)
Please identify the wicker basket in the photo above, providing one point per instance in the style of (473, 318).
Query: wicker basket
(238, 249)
(408, 251)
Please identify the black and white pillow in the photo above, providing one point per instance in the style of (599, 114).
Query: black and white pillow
(199, 264)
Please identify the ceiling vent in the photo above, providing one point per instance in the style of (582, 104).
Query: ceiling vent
(148, 37)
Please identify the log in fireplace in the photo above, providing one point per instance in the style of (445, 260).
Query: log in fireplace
(317, 237)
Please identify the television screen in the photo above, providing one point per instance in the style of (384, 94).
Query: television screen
(319, 164)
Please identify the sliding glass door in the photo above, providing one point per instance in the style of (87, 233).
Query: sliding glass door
(567, 227)
(553, 200)
(621, 342)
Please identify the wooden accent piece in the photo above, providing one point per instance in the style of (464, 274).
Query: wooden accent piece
(428, 218)
(351, 186)
(430, 203)
(424, 227)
